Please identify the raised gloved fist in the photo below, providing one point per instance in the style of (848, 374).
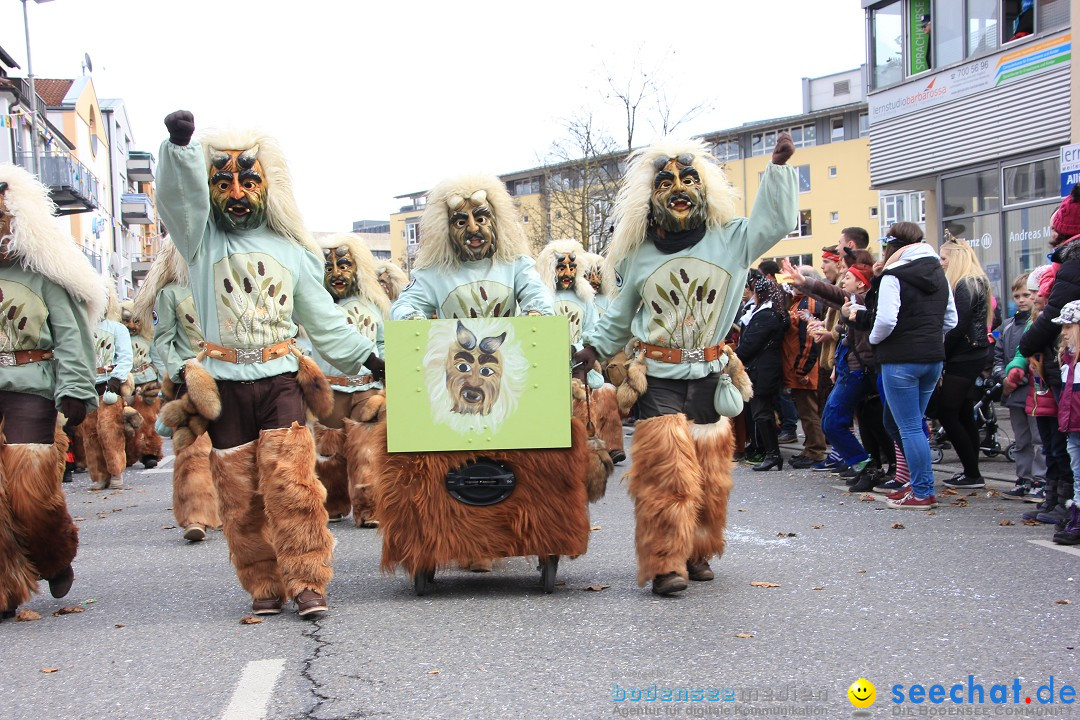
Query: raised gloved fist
(583, 361)
(113, 385)
(74, 410)
(181, 126)
(1014, 379)
(375, 364)
(784, 149)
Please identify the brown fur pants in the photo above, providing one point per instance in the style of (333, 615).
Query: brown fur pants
(332, 469)
(195, 501)
(274, 519)
(146, 442)
(680, 481)
(104, 441)
(36, 516)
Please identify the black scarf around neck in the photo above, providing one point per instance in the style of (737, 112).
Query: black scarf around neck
(674, 241)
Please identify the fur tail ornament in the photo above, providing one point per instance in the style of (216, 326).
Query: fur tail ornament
(318, 396)
(635, 384)
(202, 390)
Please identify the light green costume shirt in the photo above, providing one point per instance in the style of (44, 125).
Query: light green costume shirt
(38, 314)
(178, 333)
(248, 285)
(688, 299)
(112, 348)
(479, 289)
(142, 363)
(580, 314)
(601, 302)
(368, 321)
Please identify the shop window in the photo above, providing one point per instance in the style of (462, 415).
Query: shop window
(1037, 180)
(972, 193)
(982, 26)
(981, 233)
(887, 32)
(1027, 235)
(837, 133)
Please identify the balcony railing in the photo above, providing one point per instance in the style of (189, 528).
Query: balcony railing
(71, 185)
(141, 166)
(136, 209)
(95, 258)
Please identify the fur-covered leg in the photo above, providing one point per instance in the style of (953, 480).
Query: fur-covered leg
(665, 482)
(33, 473)
(714, 445)
(295, 513)
(195, 501)
(245, 526)
(18, 577)
(608, 421)
(148, 442)
(111, 441)
(95, 460)
(363, 470)
(331, 468)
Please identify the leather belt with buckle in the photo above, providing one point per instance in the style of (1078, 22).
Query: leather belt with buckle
(248, 356)
(142, 368)
(24, 357)
(682, 355)
(106, 370)
(350, 380)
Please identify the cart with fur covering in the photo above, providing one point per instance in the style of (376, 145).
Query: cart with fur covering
(479, 457)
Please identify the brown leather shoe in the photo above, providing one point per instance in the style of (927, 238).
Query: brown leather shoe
(61, 583)
(195, 533)
(669, 584)
(266, 606)
(311, 604)
(699, 570)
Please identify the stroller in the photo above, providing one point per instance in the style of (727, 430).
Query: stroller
(986, 392)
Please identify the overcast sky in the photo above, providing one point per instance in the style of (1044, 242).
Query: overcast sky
(377, 99)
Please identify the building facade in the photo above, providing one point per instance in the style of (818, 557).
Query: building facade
(970, 103)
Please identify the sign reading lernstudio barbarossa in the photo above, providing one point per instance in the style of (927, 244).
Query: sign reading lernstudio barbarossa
(970, 78)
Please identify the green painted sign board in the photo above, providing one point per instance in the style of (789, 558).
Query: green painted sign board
(478, 383)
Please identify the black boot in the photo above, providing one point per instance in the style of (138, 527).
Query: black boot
(1071, 534)
(866, 480)
(771, 460)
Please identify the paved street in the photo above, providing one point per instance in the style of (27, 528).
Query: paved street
(950, 594)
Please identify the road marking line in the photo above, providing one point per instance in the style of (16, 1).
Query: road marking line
(253, 691)
(155, 471)
(1054, 546)
(166, 460)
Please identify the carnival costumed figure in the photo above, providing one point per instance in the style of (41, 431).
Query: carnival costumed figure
(474, 263)
(391, 278)
(50, 298)
(565, 268)
(106, 430)
(253, 267)
(683, 257)
(165, 303)
(145, 444)
(343, 437)
(602, 280)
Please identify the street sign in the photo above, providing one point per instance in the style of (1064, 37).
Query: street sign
(1070, 168)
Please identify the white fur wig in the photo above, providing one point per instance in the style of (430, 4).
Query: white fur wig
(436, 247)
(545, 266)
(633, 203)
(169, 267)
(441, 338)
(40, 246)
(112, 305)
(282, 214)
(396, 277)
(596, 262)
(366, 280)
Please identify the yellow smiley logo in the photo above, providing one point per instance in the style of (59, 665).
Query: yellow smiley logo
(862, 693)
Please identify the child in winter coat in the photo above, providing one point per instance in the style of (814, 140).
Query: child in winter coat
(1069, 411)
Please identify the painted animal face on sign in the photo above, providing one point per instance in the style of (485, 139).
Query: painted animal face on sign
(472, 226)
(474, 372)
(565, 270)
(340, 272)
(678, 199)
(5, 224)
(237, 189)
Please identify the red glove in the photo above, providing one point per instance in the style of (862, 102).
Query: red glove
(1013, 380)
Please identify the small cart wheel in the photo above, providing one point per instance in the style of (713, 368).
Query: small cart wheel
(936, 455)
(422, 581)
(1010, 452)
(548, 568)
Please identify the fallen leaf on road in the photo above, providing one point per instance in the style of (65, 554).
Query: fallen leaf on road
(816, 526)
(560, 582)
(27, 616)
(77, 519)
(999, 509)
(69, 610)
(762, 583)
(973, 493)
(118, 509)
(993, 493)
(867, 498)
(743, 635)
(168, 527)
(49, 670)
(594, 528)
(949, 491)
(960, 503)
(1063, 602)
(932, 512)
(597, 588)
(819, 587)
(860, 571)
(250, 620)
(784, 534)
(119, 625)
(1032, 522)
(897, 526)
(740, 510)
(433, 672)
(1006, 522)
(91, 601)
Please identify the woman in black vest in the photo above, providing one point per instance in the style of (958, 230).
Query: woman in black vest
(913, 308)
(759, 350)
